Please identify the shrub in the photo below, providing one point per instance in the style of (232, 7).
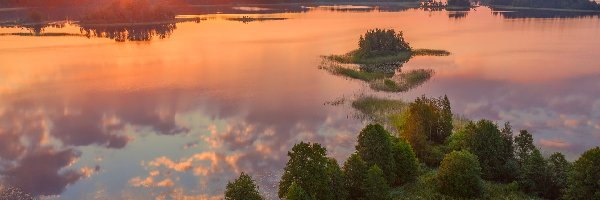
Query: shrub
(583, 181)
(459, 175)
(381, 42)
(243, 188)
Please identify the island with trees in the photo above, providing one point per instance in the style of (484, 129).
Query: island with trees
(378, 61)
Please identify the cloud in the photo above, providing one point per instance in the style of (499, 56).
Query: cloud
(559, 144)
(43, 172)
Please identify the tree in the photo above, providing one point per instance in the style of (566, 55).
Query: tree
(583, 181)
(355, 170)
(534, 177)
(337, 181)
(559, 168)
(493, 149)
(459, 175)
(376, 186)
(375, 148)
(309, 167)
(295, 192)
(243, 188)
(446, 119)
(523, 146)
(427, 123)
(406, 163)
(381, 42)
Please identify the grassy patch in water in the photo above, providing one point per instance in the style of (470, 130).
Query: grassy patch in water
(404, 82)
(378, 109)
(357, 74)
(337, 69)
(353, 57)
(430, 52)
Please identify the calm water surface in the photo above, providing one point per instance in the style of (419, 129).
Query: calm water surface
(92, 118)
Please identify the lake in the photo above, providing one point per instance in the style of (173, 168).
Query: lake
(178, 111)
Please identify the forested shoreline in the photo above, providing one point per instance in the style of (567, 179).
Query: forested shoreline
(431, 156)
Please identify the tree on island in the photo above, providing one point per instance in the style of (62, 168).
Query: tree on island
(243, 188)
(381, 42)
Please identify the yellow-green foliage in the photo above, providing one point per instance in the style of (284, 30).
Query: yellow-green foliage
(459, 175)
(378, 109)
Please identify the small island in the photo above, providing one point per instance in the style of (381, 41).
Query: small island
(450, 5)
(378, 60)
(134, 20)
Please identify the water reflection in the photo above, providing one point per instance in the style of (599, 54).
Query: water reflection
(528, 14)
(34, 28)
(122, 33)
(458, 14)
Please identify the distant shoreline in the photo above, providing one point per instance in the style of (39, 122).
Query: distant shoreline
(544, 9)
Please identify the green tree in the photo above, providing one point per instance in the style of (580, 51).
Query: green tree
(584, 178)
(534, 177)
(459, 175)
(243, 188)
(406, 163)
(337, 181)
(376, 187)
(559, 168)
(309, 167)
(446, 119)
(523, 146)
(295, 192)
(375, 148)
(355, 170)
(381, 42)
(493, 148)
